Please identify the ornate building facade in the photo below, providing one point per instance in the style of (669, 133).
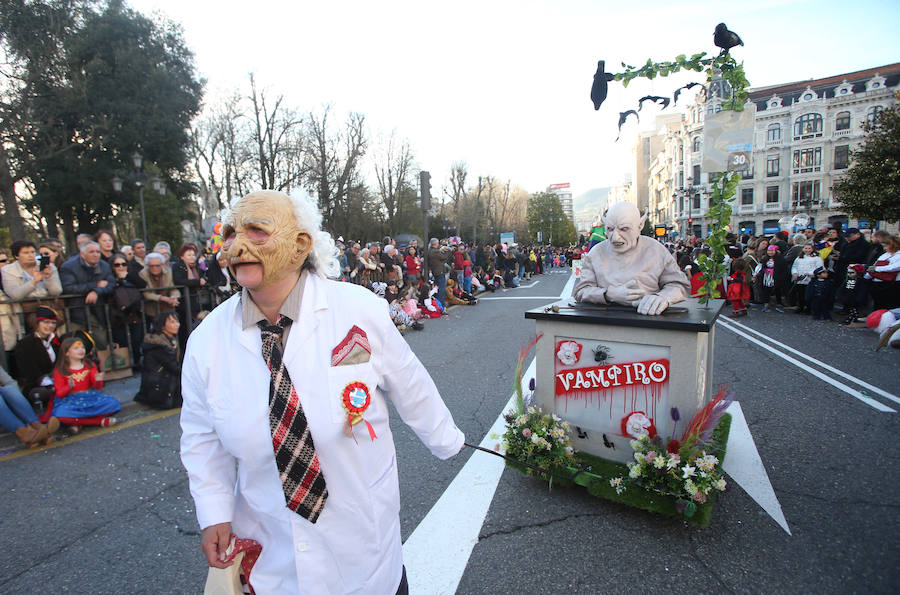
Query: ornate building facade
(804, 133)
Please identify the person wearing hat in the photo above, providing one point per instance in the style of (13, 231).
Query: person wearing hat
(35, 355)
(855, 251)
(78, 381)
(820, 294)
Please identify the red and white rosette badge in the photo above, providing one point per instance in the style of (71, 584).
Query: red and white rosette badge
(568, 352)
(637, 424)
(356, 399)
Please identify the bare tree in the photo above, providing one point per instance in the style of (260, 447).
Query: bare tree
(332, 164)
(278, 140)
(457, 191)
(392, 171)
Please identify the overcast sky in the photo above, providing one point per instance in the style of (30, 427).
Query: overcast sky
(504, 85)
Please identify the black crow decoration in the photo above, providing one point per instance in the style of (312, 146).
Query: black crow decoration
(655, 99)
(624, 116)
(687, 86)
(600, 86)
(725, 39)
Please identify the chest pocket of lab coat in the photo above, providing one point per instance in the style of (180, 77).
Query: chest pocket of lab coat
(350, 380)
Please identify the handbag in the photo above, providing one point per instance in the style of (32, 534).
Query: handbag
(115, 362)
(160, 389)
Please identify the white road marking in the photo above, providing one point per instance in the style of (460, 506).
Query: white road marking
(840, 385)
(821, 364)
(454, 522)
(438, 550)
(745, 467)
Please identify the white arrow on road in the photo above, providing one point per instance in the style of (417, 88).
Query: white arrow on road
(743, 464)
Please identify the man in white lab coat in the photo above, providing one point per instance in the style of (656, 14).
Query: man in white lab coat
(344, 358)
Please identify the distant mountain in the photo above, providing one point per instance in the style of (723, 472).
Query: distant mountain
(591, 203)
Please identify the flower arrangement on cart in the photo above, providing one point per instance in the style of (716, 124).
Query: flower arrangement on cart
(677, 475)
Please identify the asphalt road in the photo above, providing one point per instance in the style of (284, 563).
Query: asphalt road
(111, 512)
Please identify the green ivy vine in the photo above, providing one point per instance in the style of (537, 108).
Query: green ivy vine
(724, 185)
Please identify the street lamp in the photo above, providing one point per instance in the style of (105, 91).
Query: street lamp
(140, 179)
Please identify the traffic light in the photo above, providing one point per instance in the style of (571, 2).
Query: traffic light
(690, 220)
(425, 189)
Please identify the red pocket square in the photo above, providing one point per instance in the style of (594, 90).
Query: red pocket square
(355, 337)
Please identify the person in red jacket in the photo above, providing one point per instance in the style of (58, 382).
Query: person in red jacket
(78, 400)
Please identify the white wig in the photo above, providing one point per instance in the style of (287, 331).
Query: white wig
(322, 258)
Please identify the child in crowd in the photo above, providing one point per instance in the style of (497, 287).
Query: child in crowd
(497, 281)
(820, 295)
(79, 401)
(854, 292)
(738, 291)
(411, 304)
(467, 277)
(434, 308)
(458, 297)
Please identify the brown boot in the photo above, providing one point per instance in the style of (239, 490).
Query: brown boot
(45, 431)
(27, 435)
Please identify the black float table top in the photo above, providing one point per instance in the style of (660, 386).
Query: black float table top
(686, 316)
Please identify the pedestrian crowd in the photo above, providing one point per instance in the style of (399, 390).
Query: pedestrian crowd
(813, 272)
(59, 312)
(421, 282)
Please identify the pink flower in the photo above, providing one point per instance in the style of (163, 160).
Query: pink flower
(650, 456)
(526, 432)
(700, 497)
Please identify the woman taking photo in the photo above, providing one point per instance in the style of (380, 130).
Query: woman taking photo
(26, 278)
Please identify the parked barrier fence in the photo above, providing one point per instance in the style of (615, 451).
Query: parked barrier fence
(17, 317)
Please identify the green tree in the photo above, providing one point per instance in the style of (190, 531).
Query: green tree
(105, 83)
(871, 187)
(546, 215)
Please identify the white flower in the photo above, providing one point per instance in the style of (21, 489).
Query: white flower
(531, 410)
(690, 488)
(616, 482)
(570, 450)
(556, 418)
(672, 461)
(568, 352)
(688, 471)
(639, 457)
(635, 444)
(719, 484)
(659, 462)
(707, 462)
(635, 472)
(565, 425)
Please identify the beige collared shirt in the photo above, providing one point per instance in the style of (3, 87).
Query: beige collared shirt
(251, 314)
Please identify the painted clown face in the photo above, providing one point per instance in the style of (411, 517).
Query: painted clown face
(623, 226)
(263, 243)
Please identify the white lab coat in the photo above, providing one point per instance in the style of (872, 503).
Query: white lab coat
(226, 446)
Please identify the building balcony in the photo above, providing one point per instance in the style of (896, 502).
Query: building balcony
(842, 132)
(746, 208)
(773, 143)
(771, 207)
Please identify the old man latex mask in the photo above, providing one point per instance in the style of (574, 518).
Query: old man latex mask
(263, 242)
(630, 269)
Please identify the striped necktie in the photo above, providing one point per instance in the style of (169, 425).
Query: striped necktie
(295, 454)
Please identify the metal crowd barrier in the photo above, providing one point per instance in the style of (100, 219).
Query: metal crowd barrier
(15, 314)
